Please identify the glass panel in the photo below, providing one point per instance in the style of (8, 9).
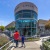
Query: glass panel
(26, 15)
(32, 23)
(26, 10)
(24, 25)
(20, 12)
(33, 31)
(35, 15)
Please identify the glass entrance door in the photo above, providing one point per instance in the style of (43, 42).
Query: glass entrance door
(27, 32)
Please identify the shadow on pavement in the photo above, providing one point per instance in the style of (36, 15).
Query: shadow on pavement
(41, 47)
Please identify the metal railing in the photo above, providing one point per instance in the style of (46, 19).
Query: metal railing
(6, 45)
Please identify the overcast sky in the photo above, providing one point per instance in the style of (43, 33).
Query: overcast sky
(7, 9)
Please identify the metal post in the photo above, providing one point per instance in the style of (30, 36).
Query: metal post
(31, 24)
(31, 28)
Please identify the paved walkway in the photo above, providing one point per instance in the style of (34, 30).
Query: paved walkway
(41, 38)
(29, 46)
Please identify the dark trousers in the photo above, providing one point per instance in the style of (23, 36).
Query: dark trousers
(16, 41)
(23, 44)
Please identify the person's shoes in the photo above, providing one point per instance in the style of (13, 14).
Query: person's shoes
(21, 47)
(24, 46)
(16, 46)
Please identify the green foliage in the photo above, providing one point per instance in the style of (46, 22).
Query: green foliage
(45, 45)
(33, 39)
(5, 47)
(47, 26)
(2, 28)
(3, 40)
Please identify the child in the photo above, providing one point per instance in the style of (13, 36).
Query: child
(22, 39)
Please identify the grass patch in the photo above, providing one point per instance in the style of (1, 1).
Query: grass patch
(33, 39)
(3, 40)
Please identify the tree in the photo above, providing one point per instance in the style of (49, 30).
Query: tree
(2, 28)
(47, 25)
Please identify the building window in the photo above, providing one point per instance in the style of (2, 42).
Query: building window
(26, 5)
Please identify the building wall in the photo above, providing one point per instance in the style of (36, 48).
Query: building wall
(26, 19)
(41, 26)
(26, 6)
(12, 24)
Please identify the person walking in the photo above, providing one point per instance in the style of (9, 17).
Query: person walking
(22, 39)
(16, 37)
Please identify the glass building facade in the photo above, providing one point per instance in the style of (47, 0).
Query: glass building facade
(26, 22)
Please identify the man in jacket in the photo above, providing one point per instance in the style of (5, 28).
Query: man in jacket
(16, 37)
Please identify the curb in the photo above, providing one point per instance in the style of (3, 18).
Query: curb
(12, 48)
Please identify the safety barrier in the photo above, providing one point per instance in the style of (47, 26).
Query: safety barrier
(6, 45)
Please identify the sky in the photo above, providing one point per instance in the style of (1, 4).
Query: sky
(7, 10)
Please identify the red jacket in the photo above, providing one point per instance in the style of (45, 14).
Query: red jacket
(16, 36)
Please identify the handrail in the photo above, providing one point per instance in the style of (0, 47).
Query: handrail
(6, 44)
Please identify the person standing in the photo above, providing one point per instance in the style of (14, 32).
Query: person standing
(22, 39)
(16, 37)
